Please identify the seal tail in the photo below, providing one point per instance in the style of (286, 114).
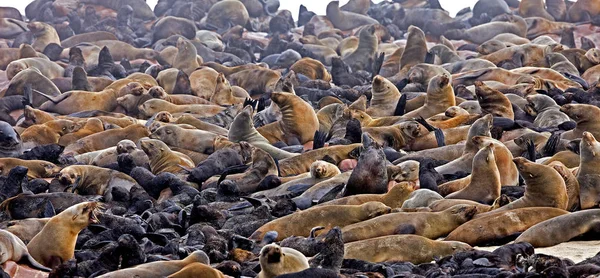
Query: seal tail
(33, 263)
(401, 106)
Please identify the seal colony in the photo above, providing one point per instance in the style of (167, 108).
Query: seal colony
(225, 139)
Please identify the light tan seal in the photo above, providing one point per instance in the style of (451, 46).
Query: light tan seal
(384, 99)
(298, 123)
(499, 227)
(275, 260)
(394, 198)
(588, 174)
(431, 225)
(344, 20)
(405, 248)
(43, 34)
(37, 168)
(493, 102)
(562, 228)
(159, 268)
(55, 243)
(197, 270)
(163, 159)
(300, 223)
(12, 248)
(440, 96)
(587, 118)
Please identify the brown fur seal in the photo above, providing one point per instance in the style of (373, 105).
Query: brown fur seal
(344, 20)
(440, 96)
(357, 6)
(534, 8)
(587, 175)
(37, 168)
(547, 113)
(583, 10)
(497, 227)
(194, 140)
(43, 34)
(153, 106)
(55, 243)
(77, 101)
(300, 223)
(163, 159)
(91, 126)
(26, 229)
(48, 132)
(385, 97)
(557, 9)
(587, 118)
(493, 102)
(406, 248)
(298, 123)
(197, 269)
(187, 57)
(573, 189)
(301, 163)
(224, 94)
(106, 139)
(312, 69)
(13, 249)
(561, 228)
(256, 81)
(363, 57)
(444, 204)
(203, 82)
(484, 186)
(487, 31)
(159, 268)
(545, 187)
(46, 67)
(418, 223)
(228, 13)
(415, 51)
(242, 129)
(10, 28)
(393, 198)
(93, 180)
(275, 260)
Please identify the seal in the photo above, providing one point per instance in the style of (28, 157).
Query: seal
(586, 117)
(242, 129)
(78, 101)
(545, 110)
(106, 139)
(298, 123)
(501, 227)
(394, 198)
(163, 159)
(405, 248)
(587, 174)
(300, 223)
(197, 269)
(385, 97)
(13, 249)
(55, 243)
(484, 186)
(159, 268)
(46, 67)
(534, 8)
(583, 10)
(37, 168)
(370, 174)
(187, 57)
(262, 166)
(90, 126)
(363, 57)
(43, 34)
(153, 106)
(431, 225)
(344, 20)
(357, 6)
(190, 139)
(311, 68)
(93, 180)
(493, 102)
(561, 229)
(545, 187)
(224, 94)
(481, 33)
(573, 189)
(226, 14)
(440, 96)
(275, 260)
(26, 229)
(48, 132)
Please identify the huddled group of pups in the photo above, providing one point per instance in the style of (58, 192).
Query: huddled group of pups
(207, 138)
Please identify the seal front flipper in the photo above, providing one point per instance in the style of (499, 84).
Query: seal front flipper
(49, 210)
(297, 189)
(319, 140)
(440, 138)
(531, 150)
(551, 146)
(405, 229)
(401, 106)
(377, 64)
(332, 194)
(79, 80)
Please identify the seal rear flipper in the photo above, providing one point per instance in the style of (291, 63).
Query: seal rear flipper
(182, 84)
(551, 146)
(577, 79)
(27, 95)
(314, 230)
(424, 123)
(48, 210)
(332, 194)
(253, 201)
(319, 140)
(405, 229)
(377, 64)
(55, 100)
(401, 106)
(29, 260)
(53, 51)
(159, 239)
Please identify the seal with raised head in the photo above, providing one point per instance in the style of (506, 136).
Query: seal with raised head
(300, 223)
(163, 159)
(275, 260)
(385, 97)
(440, 96)
(588, 174)
(55, 243)
(298, 122)
(344, 20)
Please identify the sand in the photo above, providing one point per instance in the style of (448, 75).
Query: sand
(576, 251)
